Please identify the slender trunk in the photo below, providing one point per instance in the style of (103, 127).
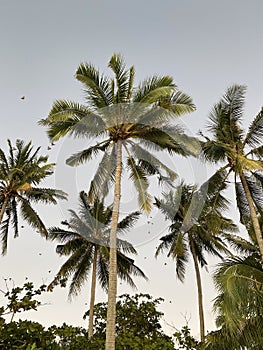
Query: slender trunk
(92, 294)
(253, 213)
(200, 293)
(112, 291)
(3, 208)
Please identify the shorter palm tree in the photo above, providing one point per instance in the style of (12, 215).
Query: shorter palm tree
(197, 226)
(21, 171)
(239, 281)
(87, 243)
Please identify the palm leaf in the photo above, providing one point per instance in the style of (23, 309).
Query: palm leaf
(178, 251)
(97, 86)
(83, 156)
(138, 176)
(128, 222)
(32, 218)
(178, 103)
(242, 203)
(104, 176)
(255, 131)
(45, 195)
(122, 76)
(149, 161)
(4, 232)
(153, 89)
(170, 203)
(126, 268)
(80, 273)
(58, 234)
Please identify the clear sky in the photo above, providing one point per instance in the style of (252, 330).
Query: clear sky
(205, 45)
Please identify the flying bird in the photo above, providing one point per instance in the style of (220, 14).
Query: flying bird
(22, 97)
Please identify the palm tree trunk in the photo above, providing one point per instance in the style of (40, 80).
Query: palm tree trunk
(200, 293)
(253, 213)
(92, 294)
(3, 208)
(112, 292)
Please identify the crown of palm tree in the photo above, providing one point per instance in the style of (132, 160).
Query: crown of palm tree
(20, 174)
(196, 217)
(139, 117)
(242, 151)
(89, 231)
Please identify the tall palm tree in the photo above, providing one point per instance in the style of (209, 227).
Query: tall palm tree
(197, 226)
(242, 154)
(124, 116)
(21, 171)
(86, 242)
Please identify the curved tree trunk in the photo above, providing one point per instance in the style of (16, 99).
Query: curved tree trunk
(253, 213)
(92, 294)
(200, 293)
(112, 291)
(3, 208)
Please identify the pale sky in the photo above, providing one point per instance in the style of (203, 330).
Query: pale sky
(206, 45)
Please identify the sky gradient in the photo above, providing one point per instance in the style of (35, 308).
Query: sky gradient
(205, 45)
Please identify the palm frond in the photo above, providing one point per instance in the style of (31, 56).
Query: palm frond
(56, 130)
(127, 268)
(31, 216)
(158, 139)
(97, 86)
(80, 274)
(128, 222)
(258, 152)
(179, 253)
(240, 244)
(152, 164)
(103, 268)
(85, 155)
(104, 176)
(239, 282)
(256, 192)
(138, 176)
(122, 78)
(242, 203)
(58, 234)
(178, 103)
(151, 90)
(213, 151)
(255, 132)
(225, 116)
(4, 228)
(45, 195)
(63, 110)
(13, 209)
(169, 205)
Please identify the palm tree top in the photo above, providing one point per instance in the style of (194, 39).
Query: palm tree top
(21, 172)
(88, 230)
(140, 118)
(114, 106)
(229, 141)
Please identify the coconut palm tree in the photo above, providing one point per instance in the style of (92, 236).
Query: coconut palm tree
(120, 116)
(21, 171)
(240, 152)
(197, 227)
(239, 303)
(86, 242)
